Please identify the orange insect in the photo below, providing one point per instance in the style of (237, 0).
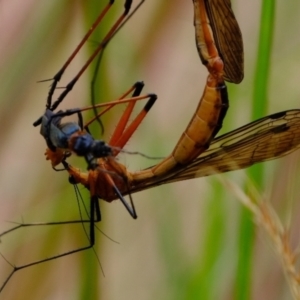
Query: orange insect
(107, 178)
(196, 154)
(217, 28)
(110, 179)
(268, 138)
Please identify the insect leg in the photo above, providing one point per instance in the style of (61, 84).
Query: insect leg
(95, 216)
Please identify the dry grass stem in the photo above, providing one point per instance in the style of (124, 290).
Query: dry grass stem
(267, 218)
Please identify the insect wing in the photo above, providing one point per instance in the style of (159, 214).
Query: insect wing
(265, 139)
(228, 38)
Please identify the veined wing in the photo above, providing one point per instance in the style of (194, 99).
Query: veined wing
(267, 138)
(228, 38)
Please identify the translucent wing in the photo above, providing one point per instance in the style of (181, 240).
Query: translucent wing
(265, 139)
(228, 38)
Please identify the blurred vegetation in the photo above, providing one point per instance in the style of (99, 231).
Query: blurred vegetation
(192, 239)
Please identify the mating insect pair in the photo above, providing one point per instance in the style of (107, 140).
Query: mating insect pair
(204, 125)
(107, 179)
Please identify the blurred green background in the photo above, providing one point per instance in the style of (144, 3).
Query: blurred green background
(189, 239)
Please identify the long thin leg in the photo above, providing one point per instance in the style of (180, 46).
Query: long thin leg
(131, 209)
(71, 84)
(138, 85)
(126, 115)
(99, 60)
(95, 216)
(73, 111)
(59, 74)
(126, 135)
